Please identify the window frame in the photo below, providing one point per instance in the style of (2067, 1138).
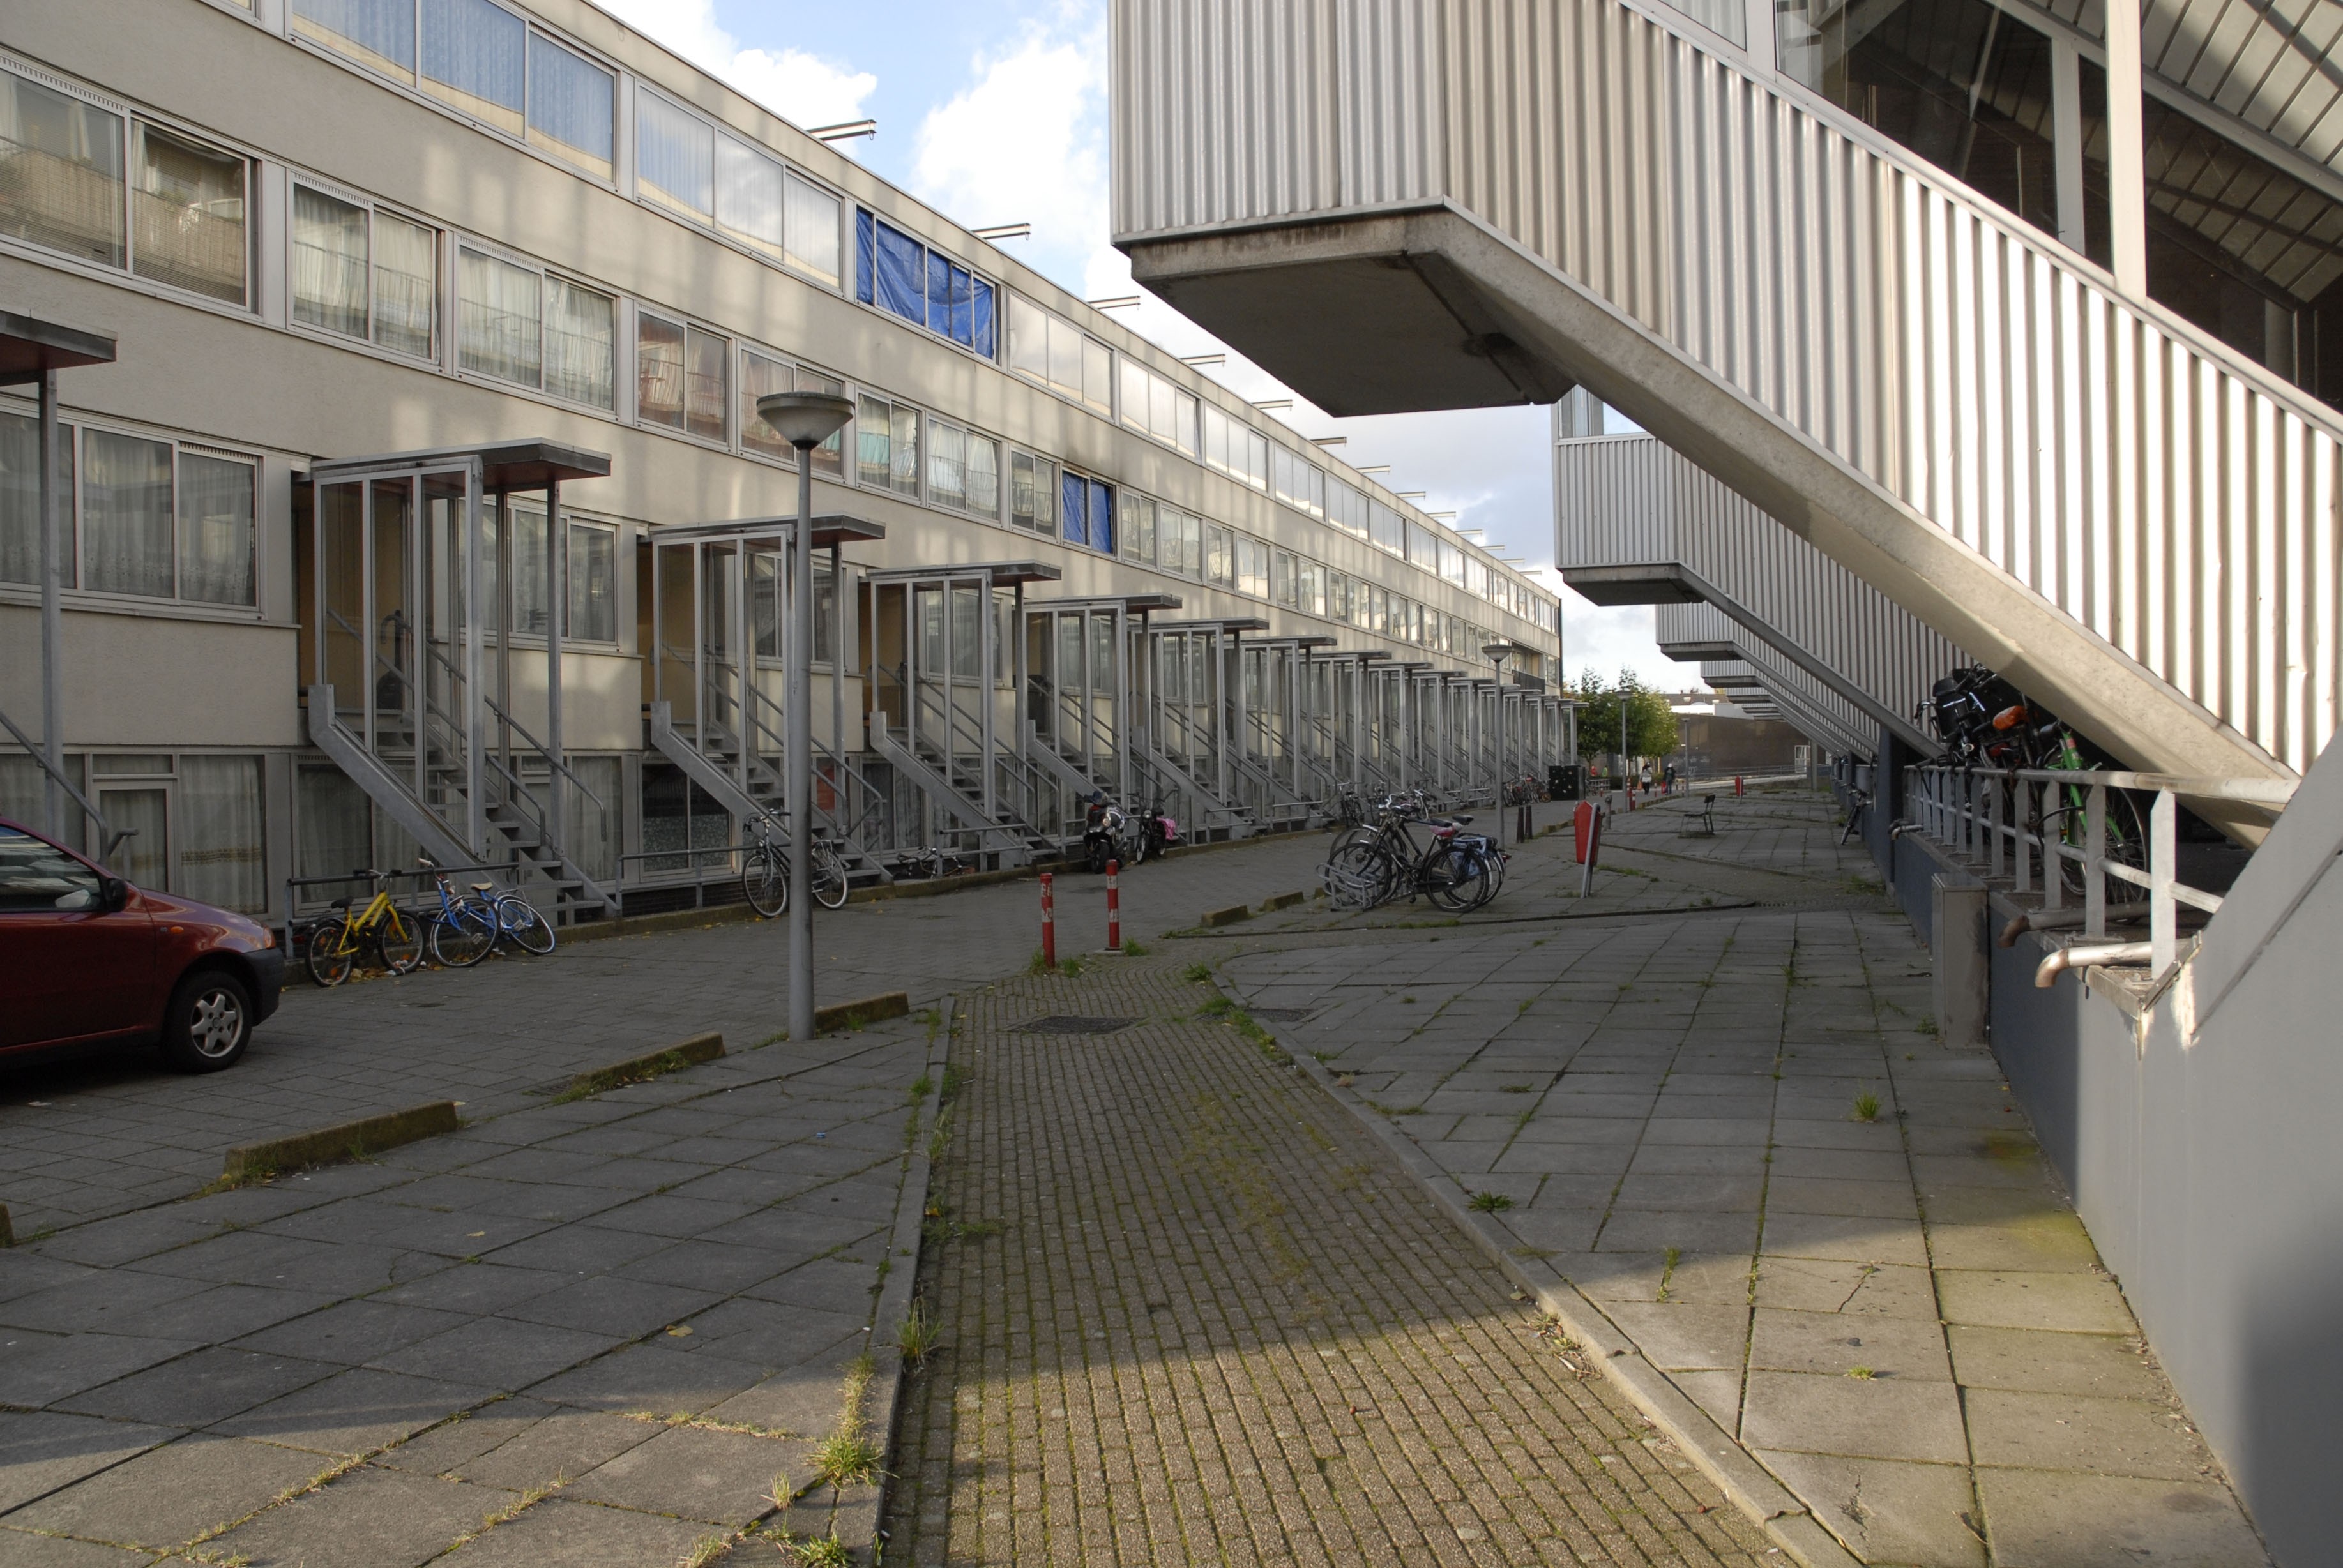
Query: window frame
(441, 280)
(929, 253)
(455, 242)
(728, 356)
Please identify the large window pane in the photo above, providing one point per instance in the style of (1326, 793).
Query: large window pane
(473, 57)
(125, 514)
(498, 309)
(20, 499)
(593, 584)
(405, 285)
(983, 475)
(187, 216)
(1029, 339)
(1138, 528)
(223, 841)
(947, 465)
(658, 371)
(675, 156)
(329, 262)
(706, 390)
(874, 435)
(829, 457)
(1098, 366)
(750, 198)
(906, 475)
(569, 107)
(812, 230)
(60, 171)
(580, 344)
(759, 376)
(1033, 492)
(377, 34)
(900, 284)
(215, 533)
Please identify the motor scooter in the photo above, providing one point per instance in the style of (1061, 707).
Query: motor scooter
(1106, 834)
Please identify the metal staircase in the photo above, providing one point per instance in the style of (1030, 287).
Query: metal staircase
(758, 801)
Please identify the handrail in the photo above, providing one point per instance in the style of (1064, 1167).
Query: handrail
(2001, 819)
(111, 835)
(518, 728)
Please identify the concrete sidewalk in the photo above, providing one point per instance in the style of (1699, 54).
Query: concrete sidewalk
(1737, 1136)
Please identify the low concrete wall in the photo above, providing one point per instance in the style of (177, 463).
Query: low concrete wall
(2204, 1153)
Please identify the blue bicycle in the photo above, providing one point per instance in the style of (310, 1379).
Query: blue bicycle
(462, 930)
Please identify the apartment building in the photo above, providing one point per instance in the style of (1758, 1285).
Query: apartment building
(390, 280)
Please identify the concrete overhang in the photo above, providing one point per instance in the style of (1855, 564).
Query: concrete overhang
(1130, 604)
(1239, 623)
(1001, 574)
(1658, 582)
(1688, 652)
(30, 347)
(1372, 328)
(830, 529)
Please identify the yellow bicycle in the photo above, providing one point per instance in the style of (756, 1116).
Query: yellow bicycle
(380, 927)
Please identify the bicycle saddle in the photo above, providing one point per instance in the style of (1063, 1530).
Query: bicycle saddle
(483, 887)
(340, 904)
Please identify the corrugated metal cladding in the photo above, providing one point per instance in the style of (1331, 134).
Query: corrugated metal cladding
(1631, 500)
(1821, 713)
(2167, 496)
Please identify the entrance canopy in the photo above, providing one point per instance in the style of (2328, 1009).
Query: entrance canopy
(1130, 604)
(1000, 574)
(30, 347)
(504, 465)
(1232, 623)
(829, 531)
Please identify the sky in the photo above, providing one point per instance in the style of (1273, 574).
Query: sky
(996, 112)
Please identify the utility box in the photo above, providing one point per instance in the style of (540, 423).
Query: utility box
(1565, 782)
(1961, 957)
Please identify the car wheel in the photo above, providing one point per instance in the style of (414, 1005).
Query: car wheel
(209, 1022)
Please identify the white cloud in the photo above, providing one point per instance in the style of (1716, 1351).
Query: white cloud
(799, 87)
(1026, 141)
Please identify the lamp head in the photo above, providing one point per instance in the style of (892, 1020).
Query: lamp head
(805, 419)
(1498, 651)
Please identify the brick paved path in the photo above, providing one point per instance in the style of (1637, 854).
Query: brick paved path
(1217, 1323)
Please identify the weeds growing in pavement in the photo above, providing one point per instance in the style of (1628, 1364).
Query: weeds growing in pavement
(1861, 1374)
(1490, 1203)
(1866, 1106)
(918, 1090)
(1199, 971)
(1516, 1088)
(844, 1459)
(822, 1552)
(707, 1550)
(1668, 1273)
(1134, 949)
(1216, 1007)
(918, 1334)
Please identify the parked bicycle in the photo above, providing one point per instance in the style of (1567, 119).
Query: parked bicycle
(1379, 863)
(765, 877)
(338, 942)
(929, 862)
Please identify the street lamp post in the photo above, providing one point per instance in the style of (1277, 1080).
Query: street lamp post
(805, 420)
(1496, 653)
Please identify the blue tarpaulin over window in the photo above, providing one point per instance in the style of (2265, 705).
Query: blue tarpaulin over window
(902, 259)
(1101, 517)
(866, 255)
(981, 319)
(1073, 509)
(895, 271)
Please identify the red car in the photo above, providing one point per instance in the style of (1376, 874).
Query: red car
(85, 959)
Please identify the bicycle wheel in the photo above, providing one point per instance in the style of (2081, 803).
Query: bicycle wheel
(464, 935)
(1456, 879)
(517, 918)
(828, 874)
(333, 952)
(398, 942)
(765, 880)
(1354, 875)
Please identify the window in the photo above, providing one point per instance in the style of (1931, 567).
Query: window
(897, 273)
(581, 336)
(1033, 492)
(1153, 404)
(1055, 352)
(1423, 547)
(751, 198)
(1086, 511)
(886, 440)
(1347, 508)
(1220, 555)
(1387, 528)
(760, 374)
(497, 308)
(571, 102)
(1338, 597)
(1229, 447)
(680, 377)
(186, 213)
(365, 273)
(1299, 483)
(1138, 529)
(475, 59)
(1178, 541)
(60, 171)
(1253, 566)
(812, 242)
(1452, 563)
(963, 469)
(1310, 587)
(222, 839)
(675, 158)
(593, 583)
(377, 34)
(143, 516)
(1281, 577)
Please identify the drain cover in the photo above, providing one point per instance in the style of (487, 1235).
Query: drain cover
(1282, 1014)
(1073, 1023)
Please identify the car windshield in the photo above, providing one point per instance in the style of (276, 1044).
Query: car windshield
(34, 874)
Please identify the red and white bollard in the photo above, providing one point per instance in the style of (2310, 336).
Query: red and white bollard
(1113, 910)
(1049, 923)
(1736, 786)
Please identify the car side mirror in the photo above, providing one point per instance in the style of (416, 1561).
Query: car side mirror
(112, 894)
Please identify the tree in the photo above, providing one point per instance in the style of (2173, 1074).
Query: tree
(1650, 722)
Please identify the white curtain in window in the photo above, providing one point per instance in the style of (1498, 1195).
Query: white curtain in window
(570, 104)
(473, 57)
(329, 819)
(497, 321)
(947, 465)
(216, 534)
(20, 499)
(705, 387)
(750, 199)
(580, 344)
(983, 475)
(593, 823)
(64, 161)
(829, 457)
(814, 216)
(222, 838)
(658, 371)
(329, 262)
(675, 155)
(187, 216)
(906, 451)
(378, 33)
(127, 514)
(406, 284)
(758, 375)
(593, 584)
